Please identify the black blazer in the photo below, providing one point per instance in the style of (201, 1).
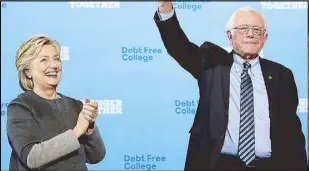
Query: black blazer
(210, 65)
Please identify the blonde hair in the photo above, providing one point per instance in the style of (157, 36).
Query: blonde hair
(26, 53)
(231, 22)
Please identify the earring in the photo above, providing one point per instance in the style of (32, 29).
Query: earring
(29, 77)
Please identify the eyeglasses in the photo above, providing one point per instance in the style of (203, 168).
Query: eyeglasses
(244, 29)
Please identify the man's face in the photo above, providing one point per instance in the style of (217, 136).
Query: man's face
(248, 34)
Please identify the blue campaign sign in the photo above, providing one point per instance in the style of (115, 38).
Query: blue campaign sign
(112, 52)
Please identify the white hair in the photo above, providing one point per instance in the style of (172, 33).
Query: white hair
(231, 22)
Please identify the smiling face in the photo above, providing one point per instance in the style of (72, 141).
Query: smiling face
(45, 70)
(248, 34)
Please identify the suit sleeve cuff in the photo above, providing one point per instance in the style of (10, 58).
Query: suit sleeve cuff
(165, 16)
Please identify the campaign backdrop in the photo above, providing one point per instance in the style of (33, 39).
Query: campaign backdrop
(112, 52)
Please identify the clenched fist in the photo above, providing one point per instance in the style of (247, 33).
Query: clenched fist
(165, 6)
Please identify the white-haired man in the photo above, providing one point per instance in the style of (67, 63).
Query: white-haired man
(246, 118)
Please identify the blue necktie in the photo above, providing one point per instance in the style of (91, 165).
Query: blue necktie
(246, 148)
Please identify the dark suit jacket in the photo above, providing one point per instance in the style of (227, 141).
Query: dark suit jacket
(210, 65)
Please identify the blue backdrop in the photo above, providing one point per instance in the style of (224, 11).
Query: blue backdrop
(147, 104)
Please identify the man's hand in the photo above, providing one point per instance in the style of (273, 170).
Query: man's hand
(165, 6)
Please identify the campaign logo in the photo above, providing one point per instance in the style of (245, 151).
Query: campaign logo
(284, 5)
(302, 105)
(65, 53)
(185, 107)
(3, 5)
(4, 107)
(94, 4)
(189, 5)
(143, 54)
(109, 106)
(143, 162)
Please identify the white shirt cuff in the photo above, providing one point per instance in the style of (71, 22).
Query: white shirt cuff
(166, 16)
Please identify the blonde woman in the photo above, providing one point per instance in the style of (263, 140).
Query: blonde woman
(48, 130)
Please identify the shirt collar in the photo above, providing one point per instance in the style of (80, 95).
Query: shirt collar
(238, 61)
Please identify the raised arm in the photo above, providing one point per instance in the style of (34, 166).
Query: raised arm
(186, 53)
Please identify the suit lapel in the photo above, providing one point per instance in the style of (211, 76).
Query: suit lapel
(225, 76)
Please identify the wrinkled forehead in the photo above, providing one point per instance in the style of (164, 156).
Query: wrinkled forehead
(48, 50)
(248, 18)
